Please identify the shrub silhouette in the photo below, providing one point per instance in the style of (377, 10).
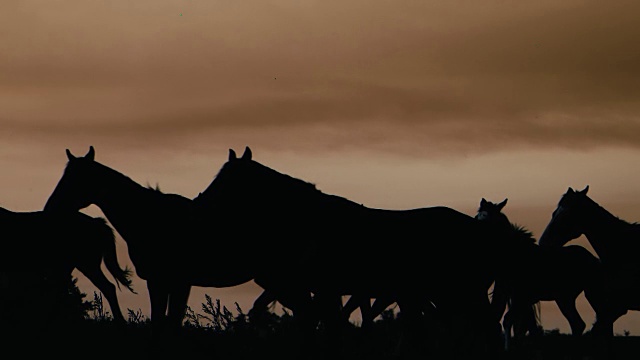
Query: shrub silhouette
(221, 333)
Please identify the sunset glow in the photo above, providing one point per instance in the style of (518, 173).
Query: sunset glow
(391, 104)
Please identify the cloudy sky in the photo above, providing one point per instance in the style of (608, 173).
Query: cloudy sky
(391, 104)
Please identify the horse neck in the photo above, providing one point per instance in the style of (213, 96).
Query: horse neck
(502, 224)
(606, 233)
(504, 232)
(524, 236)
(521, 239)
(121, 199)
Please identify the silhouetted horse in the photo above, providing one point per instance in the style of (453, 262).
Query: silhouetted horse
(434, 253)
(171, 244)
(53, 246)
(518, 321)
(615, 241)
(542, 274)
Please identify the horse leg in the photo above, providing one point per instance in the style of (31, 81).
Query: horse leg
(298, 300)
(97, 278)
(159, 299)
(568, 309)
(535, 327)
(521, 323)
(56, 287)
(605, 320)
(368, 312)
(305, 316)
(500, 299)
(329, 307)
(484, 328)
(380, 304)
(412, 327)
(178, 299)
(507, 325)
(354, 302)
(607, 311)
(519, 319)
(260, 309)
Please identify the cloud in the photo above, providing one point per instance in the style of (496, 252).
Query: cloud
(425, 78)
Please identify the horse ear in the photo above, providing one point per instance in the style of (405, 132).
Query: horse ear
(70, 156)
(584, 191)
(232, 155)
(247, 154)
(91, 154)
(483, 202)
(570, 190)
(502, 204)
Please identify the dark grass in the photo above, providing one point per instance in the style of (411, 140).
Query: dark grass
(91, 339)
(215, 332)
(100, 341)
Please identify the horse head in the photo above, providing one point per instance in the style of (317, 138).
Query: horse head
(490, 211)
(491, 214)
(74, 190)
(567, 220)
(230, 184)
(243, 183)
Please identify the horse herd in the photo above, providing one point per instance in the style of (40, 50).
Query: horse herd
(290, 238)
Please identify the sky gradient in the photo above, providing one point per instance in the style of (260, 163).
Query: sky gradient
(391, 104)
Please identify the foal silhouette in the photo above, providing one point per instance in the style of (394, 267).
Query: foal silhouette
(520, 319)
(53, 246)
(539, 273)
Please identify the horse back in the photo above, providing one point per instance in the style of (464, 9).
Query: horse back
(375, 248)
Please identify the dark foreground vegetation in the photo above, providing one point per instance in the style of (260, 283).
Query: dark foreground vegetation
(87, 331)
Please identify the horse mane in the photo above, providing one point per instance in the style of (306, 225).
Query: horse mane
(154, 188)
(623, 232)
(268, 175)
(635, 225)
(523, 232)
(623, 221)
(109, 171)
(298, 184)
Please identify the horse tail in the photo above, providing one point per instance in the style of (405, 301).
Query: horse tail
(122, 276)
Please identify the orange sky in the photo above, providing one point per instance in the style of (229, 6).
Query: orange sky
(391, 104)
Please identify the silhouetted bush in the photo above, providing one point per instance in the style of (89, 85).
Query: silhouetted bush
(216, 332)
